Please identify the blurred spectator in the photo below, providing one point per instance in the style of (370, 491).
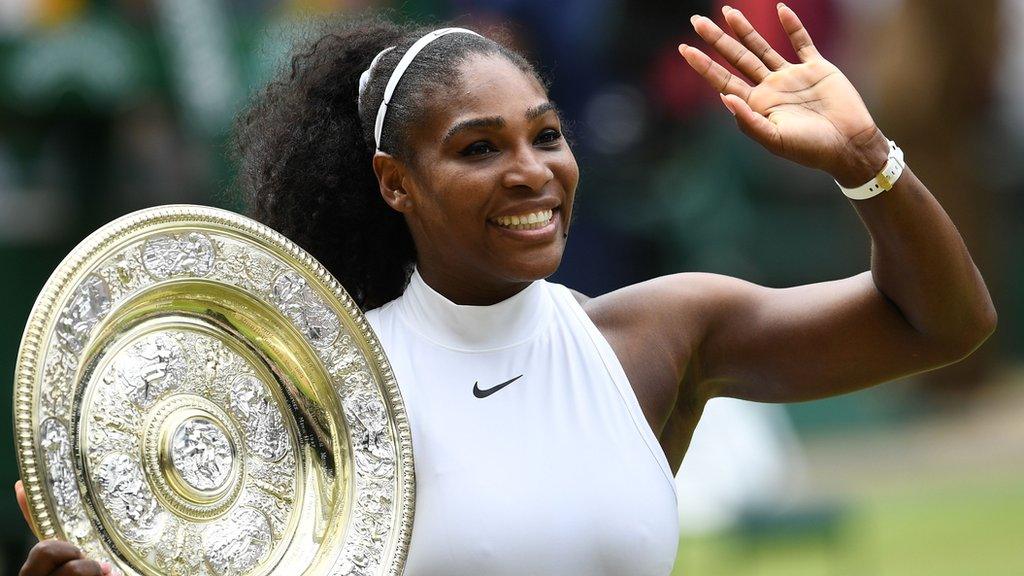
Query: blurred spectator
(743, 457)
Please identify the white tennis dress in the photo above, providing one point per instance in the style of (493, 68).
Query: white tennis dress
(532, 454)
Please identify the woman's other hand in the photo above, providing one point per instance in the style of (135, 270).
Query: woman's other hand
(54, 557)
(806, 112)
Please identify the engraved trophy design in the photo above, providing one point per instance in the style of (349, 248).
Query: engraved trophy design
(196, 395)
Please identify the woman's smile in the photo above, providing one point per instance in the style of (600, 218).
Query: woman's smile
(538, 226)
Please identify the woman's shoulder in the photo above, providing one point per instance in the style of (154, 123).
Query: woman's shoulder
(580, 297)
(684, 293)
(675, 308)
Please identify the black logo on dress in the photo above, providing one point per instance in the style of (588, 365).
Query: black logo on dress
(485, 393)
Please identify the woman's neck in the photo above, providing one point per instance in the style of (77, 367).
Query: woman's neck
(474, 327)
(469, 289)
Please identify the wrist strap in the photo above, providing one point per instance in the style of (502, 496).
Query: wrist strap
(884, 180)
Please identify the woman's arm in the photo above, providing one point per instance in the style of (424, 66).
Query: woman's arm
(922, 305)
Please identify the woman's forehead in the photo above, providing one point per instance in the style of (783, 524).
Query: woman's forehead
(492, 86)
(484, 72)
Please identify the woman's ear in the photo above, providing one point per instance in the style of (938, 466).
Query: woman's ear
(390, 175)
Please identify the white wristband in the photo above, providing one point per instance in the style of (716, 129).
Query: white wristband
(883, 181)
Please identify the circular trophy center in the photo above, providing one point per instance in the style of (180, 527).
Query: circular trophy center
(201, 453)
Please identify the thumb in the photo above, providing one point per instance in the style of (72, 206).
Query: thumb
(19, 493)
(754, 125)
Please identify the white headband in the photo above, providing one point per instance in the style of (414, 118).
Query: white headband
(396, 74)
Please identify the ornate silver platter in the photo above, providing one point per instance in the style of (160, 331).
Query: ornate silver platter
(196, 395)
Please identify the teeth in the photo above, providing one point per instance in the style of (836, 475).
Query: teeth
(530, 221)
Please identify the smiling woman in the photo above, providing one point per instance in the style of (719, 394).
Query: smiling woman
(305, 147)
(428, 171)
(498, 164)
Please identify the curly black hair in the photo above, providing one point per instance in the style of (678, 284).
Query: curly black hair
(304, 149)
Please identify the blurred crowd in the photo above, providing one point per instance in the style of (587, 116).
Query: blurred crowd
(107, 106)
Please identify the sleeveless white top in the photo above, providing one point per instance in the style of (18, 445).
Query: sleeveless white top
(554, 470)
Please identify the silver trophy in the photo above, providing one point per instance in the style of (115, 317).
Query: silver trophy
(196, 395)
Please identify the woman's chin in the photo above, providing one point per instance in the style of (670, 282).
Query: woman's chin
(535, 266)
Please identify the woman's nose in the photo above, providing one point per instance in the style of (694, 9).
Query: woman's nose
(527, 169)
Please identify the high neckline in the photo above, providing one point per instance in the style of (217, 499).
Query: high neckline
(475, 328)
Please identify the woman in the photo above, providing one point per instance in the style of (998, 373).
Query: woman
(547, 425)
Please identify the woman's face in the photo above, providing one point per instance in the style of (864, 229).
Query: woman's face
(490, 190)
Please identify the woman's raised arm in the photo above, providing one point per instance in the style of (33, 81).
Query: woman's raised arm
(922, 305)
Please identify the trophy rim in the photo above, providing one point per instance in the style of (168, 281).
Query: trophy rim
(77, 264)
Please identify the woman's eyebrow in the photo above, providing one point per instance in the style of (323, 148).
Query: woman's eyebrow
(497, 121)
(539, 110)
(489, 122)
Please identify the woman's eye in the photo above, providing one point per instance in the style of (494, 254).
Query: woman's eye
(549, 136)
(477, 148)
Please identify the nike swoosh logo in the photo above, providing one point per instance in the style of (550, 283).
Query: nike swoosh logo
(485, 393)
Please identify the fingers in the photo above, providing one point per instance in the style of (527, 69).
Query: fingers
(81, 568)
(59, 558)
(19, 494)
(714, 73)
(798, 35)
(56, 557)
(734, 52)
(47, 556)
(750, 38)
(754, 125)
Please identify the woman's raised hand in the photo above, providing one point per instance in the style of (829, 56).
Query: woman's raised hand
(54, 557)
(806, 112)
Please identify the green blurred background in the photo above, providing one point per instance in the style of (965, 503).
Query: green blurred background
(111, 106)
